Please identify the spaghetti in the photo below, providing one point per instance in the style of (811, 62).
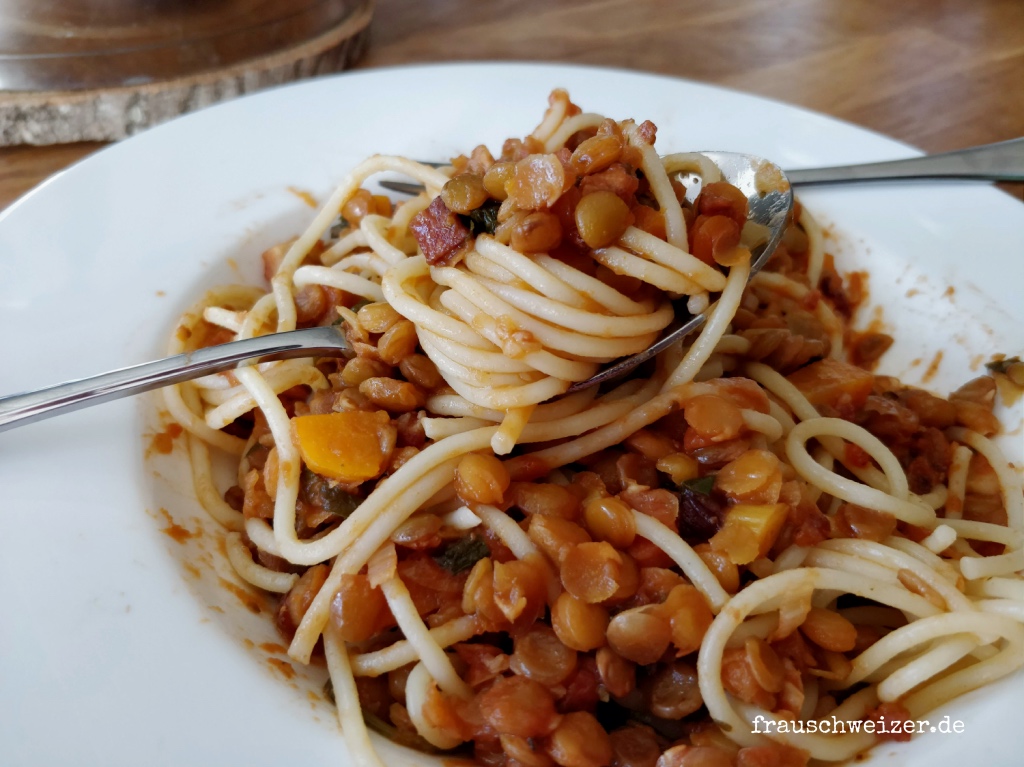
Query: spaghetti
(752, 529)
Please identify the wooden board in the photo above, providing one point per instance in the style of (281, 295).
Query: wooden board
(263, 50)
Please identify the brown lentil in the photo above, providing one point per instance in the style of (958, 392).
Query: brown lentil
(397, 342)
(464, 193)
(555, 536)
(359, 369)
(481, 478)
(377, 317)
(518, 706)
(617, 674)
(537, 183)
(591, 571)
(829, 630)
(679, 467)
(635, 745)
(525, 751)
(544, 498)
(609, 519)
(595, 154)
(689, 616)
(672, 691)
(577, 624)
(725, 570)
(420, 370)
(651, 444)
(356, 608)
(579, 740)
(714, 418)
(496, 177)
(765, 664)
(639, 634)
(541, 656)
(391, 394)
(601, 218)
(536, 232)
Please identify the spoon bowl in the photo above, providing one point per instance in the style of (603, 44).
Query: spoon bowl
(769, 203)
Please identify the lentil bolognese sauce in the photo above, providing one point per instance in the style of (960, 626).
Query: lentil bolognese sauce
(751, 527)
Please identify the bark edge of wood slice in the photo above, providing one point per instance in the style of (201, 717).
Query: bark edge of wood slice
(110, 114)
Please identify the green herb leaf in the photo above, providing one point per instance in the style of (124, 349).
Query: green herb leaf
(1003, 365)
(321, 492)
(463, 554)
(337, 501)
(702, 485)
(483, 220)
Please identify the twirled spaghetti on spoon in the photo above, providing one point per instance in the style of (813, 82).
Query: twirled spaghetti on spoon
(754, 528)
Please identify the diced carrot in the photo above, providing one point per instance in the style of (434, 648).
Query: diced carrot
(749, 531)
(347, 447)
(826, 381)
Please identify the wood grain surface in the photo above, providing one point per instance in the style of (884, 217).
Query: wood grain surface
(938, 74)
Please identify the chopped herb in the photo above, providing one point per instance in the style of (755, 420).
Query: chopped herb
(339, 502)
(337, 321)
(1003, 365)
(321, 492)
(463, 554)
(483, 220)
(702, 485)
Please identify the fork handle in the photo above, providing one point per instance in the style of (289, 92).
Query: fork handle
(1003, 161)
(20, 409)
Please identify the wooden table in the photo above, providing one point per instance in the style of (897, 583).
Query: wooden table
(939, 75)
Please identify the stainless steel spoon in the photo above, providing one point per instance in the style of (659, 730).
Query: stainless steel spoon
(1002, 161)
(993, 162)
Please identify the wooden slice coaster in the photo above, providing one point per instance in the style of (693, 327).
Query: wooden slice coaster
(102, 75)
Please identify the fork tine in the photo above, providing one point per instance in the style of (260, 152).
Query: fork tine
(403, 187)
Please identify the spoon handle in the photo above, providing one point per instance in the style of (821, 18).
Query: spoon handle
(20, 409)
(1003, 161)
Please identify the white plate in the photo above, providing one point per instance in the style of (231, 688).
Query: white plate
(114, 648)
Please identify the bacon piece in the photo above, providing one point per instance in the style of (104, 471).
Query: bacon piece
(617, 178)
(440, 234)
(646, 132)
